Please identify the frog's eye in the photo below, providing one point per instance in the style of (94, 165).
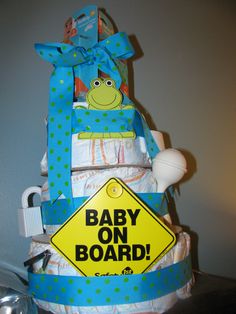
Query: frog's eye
(96, 83)
(109, 83)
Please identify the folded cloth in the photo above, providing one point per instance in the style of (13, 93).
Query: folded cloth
(57, 265)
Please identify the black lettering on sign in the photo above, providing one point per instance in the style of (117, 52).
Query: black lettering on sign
(124, 252)
(110, 254)
(138, 252)
(133, 216)
(119, 217)
(105, 218)
(91, 217)
(96, 253)
(81, 253)
(120, 252)
(120, 234)
(116, 217)
(106, 234)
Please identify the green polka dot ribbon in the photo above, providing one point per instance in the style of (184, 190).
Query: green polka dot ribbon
(58, 212)
(110, 290)
(67, 59)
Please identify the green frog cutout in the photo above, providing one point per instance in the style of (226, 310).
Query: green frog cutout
(104, 95)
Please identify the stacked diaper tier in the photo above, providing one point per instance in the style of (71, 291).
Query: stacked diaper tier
(86, 182)
(59, 268)
(109, 152)
(99, 153)
(87, 146)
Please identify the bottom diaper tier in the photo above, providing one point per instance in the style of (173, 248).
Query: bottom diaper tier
(85, 183)
(59, 288)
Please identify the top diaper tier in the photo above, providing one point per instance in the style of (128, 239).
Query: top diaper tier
(91, 61)
(90, 29)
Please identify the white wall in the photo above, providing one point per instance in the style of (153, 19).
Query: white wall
(184, 75)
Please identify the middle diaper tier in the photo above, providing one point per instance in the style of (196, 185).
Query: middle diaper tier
(105, 153)
(85, 183)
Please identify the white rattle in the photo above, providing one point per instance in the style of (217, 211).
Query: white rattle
(168, 167)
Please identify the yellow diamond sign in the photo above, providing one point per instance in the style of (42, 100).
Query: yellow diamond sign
(113, 233)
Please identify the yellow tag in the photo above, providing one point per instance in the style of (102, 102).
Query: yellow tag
(113, 233)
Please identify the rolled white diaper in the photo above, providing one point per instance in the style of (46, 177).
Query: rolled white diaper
(105, 152)
(87, 182)
(59, 266)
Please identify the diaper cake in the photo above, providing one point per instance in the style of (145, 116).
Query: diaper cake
(102, 240)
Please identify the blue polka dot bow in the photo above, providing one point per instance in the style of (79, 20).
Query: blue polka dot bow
(67, 59)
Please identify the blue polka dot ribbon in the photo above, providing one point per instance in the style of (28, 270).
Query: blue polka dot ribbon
(85, 120)
(58, 212)
(68, 59)
(110, 290)
(142, 129)
(103, 121)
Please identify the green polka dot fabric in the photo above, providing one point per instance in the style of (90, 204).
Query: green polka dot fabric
(67, 60)
(110, 290)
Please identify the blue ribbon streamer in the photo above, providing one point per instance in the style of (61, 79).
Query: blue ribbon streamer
(58, 212)
(142, 129)
(68, 59)
(110, 290)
